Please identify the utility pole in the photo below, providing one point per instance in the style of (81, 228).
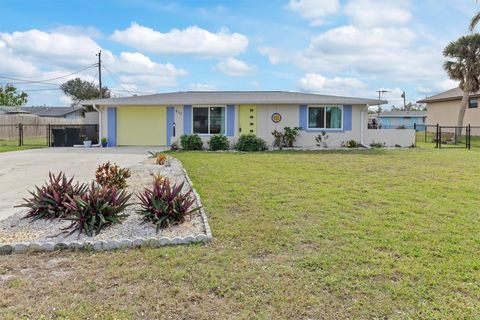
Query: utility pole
(100, 72)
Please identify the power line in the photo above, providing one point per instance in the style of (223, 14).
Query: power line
(42, 89)
(46, 80)
(119, 82)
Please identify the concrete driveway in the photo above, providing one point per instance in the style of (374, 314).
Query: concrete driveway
(20, 171)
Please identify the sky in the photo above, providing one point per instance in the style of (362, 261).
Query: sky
(335, 47)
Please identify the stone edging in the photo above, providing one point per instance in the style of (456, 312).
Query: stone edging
(102, 245)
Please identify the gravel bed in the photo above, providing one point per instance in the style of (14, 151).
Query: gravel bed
(18, 234)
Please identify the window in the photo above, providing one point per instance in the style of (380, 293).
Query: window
(328, 117)
(209, 120)
(473, 103)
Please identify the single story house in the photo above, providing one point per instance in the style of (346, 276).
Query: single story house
(160, 119)
(9, 110)
(56, 112)
(443, 109)
(402, 119)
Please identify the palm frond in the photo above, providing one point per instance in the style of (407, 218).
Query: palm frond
(475, 21)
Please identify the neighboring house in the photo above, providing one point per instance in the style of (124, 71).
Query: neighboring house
(401, 119)
(8, 110)
(56, 112)
(443, 108)
(160, 119)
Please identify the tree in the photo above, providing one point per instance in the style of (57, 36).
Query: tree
(463, 65)
(475, 21)
(10, 97)
(78, 89)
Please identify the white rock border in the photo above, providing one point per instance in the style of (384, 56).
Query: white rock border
(102, 245)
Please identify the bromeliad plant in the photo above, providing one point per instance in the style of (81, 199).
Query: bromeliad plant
(48, 201)
(165, 204)
(111, 175)
(160, 159)
(96, 209)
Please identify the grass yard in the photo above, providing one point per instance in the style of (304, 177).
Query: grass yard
(346, 234)
(17, 148)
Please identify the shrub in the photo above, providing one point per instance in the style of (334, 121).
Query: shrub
(48, 201)
(161, 158)
(111, 175)
(350, 144)
(377, 144)
(322, 139)
(278, 137)
(174, 146)
(191, 142)
(165, 205)
(250, 142)
(218, 142)
(97, 208)
(157, 177)
(291, 135)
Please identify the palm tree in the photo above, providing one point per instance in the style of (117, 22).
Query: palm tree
(463, 65)
(475, 21)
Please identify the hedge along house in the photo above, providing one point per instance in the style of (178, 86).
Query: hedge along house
(160, 119)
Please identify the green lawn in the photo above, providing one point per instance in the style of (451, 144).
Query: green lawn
(17, 148)
(346, 234)
(29, 143)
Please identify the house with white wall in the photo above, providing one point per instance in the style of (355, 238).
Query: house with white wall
(160, 119)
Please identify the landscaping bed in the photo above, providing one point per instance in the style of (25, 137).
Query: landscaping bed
(18, 234)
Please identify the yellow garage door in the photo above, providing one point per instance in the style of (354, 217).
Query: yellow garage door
(141, 126)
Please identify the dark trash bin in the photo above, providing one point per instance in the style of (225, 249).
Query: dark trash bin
(58, 138)
(73, 136)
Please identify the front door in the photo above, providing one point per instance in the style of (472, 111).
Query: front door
(247, 119)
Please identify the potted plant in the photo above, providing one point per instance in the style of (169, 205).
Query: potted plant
(87, 142)
(104, 142)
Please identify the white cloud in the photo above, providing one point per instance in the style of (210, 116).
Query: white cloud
(192, 40)
(139, 71)
(39, 55)
(202, 87)
(371, 13)
(314, 82)
(372, 52)
(52, 48)
(89, 31)
(314, 11)
(275, 56)
(65, 100)
(235, 67)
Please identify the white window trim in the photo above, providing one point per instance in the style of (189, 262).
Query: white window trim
(469, 103)
(208, 121)
(325, 116)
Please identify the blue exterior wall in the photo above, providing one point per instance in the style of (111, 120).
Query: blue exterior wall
(187, 119)
(393, 122)
(112, 127)
(170, 121)
(230, 120)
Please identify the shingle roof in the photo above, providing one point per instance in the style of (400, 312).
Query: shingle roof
(12, 110)
(232, 97)
(398, 113)
(51, 111)
(452, 94)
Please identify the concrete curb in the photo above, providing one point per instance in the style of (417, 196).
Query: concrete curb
(102, 245)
